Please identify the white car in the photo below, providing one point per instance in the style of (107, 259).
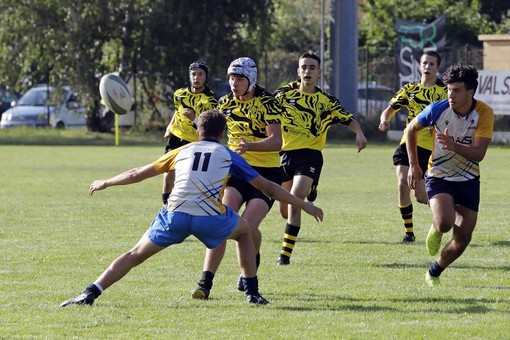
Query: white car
(39, 107)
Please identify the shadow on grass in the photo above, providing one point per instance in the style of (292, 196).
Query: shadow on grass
(422, 243)
(453, 265)
(303, 240)
(428, 305)
(450, 305)
(501, 243)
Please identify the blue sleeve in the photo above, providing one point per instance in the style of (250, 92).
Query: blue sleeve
(432, 112)
(240, 168)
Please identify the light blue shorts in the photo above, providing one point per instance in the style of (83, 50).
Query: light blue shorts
(170, 227)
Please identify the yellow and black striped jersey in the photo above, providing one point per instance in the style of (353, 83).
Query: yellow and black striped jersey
(248, 120)
(415, 97)
(307, 117)
(183, 127)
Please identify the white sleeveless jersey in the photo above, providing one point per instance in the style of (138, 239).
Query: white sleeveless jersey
(201, 173)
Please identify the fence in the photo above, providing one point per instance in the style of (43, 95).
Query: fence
(377, 68)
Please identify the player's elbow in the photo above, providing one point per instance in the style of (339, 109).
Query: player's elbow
(478, 157)
(276, 142)
(137, 175)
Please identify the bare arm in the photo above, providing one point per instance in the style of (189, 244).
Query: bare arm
(273, 141)
(361, 140)
(168, 134)
(415, 173)
(475, 152)
(386, 115)
(276, 192)
(128, 177)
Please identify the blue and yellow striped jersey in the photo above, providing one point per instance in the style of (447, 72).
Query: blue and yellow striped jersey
(478, 123)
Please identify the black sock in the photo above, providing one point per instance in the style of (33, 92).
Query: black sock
(207, 280)
(436, 269)
(164, 197)
(407, 218)
(251, 285)
(93, 289)
(289, 239)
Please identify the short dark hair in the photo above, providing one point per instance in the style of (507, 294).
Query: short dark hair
(311, 54)
(211, 123)
(433, 54)
(460, 73)
(201, 65)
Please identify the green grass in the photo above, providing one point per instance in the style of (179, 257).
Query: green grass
(44, 136)
(349, 278)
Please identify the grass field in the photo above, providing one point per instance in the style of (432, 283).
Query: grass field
(350, 278)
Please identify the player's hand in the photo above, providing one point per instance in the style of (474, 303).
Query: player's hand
(414, 176)
(361, 141)
(97, 185)
(242, 147)
(445, 141)
(168, 134)
(384, 126)
(189, 113)
(316, 212)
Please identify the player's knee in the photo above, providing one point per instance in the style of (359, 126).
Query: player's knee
(244, 226)
(403, 187)
(422, 199)
(444, 226)
(134, 257)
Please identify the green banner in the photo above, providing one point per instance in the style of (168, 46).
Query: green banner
(413, 39)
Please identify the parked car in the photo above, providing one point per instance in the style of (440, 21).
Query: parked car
(39, 107)
(373, 99)
(6, 98)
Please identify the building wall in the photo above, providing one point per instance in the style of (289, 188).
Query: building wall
(496, 51)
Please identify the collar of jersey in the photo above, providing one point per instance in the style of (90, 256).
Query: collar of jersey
(207, 139)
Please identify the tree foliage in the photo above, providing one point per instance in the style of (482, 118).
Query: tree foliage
(464, 20)
(297, 29)
(76, 41)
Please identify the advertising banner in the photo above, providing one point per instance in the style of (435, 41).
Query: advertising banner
(494, 90)
(412, 40)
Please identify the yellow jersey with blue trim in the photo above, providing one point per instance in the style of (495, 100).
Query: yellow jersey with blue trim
(183, 127)
(248, 119)
(307, 117)
(202, 170)
(447, 164)
(415, 97)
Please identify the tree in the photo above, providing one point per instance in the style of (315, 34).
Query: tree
(297, 29)
(75, 41)
(497, 10)
(56, 42)
(464, 20)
